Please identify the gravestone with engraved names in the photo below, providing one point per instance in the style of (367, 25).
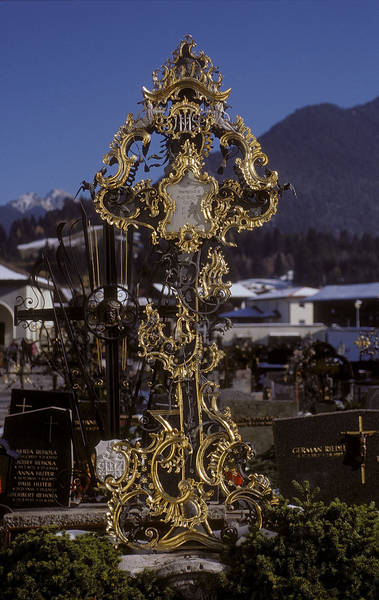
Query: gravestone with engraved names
(337, 452)
(27, 400)
(41, 476)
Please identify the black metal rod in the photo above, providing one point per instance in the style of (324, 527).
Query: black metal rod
(75, 406)
(87, 246)
(111, 346)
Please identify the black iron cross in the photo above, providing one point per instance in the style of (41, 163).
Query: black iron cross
(51, 424)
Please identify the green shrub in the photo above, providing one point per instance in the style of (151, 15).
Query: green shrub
(41, 565)
(319, 552)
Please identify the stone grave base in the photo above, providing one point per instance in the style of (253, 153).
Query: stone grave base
(86, 516)
(191, 574)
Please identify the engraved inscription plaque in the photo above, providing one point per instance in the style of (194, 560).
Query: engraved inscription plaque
(187, 195)
(42, 474)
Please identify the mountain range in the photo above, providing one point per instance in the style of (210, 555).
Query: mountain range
(329, 154)
(31, 204)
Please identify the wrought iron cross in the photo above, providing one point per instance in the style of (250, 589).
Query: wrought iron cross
(193, 447)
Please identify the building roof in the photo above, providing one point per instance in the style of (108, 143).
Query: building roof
(237, 290)
(261, 285)
(250, 312)
(355, 291)
(7, 274)
(289, 292)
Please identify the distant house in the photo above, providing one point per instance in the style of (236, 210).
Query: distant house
(250, 314)
(15, 285)
(259, 285)
(288, 304)
(347, 305)
(240, 296)
(278, 316)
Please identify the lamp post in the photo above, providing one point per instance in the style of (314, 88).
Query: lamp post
(357, 304)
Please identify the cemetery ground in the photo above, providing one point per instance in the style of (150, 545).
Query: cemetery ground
(308, 549)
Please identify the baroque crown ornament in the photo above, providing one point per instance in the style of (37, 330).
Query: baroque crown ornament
(192, 456)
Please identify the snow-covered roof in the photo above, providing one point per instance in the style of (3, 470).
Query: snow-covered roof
(75, 239)
(354, 291)
(7, 274)
(262, 284)
(10, 275)
(37, 244)
(237, 290)
(289, 292)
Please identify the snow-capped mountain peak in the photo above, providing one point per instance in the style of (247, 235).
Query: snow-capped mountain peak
(26, 201)
(53, 200)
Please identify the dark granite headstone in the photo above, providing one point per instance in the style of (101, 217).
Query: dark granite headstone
(26, 400)
(338, 452)
(42, 475)
(89, 422)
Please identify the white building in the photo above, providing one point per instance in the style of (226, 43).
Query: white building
(15, 286)
(289, 304)
(291, 317)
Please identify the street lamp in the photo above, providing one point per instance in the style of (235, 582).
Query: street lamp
(357, 304)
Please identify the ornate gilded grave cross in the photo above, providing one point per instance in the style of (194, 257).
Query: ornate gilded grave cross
(363, 435)
(194, 454)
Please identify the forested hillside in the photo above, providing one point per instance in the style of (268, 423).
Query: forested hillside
(331, 156)
(317, 258)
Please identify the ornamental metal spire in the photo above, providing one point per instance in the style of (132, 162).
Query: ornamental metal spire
(194, 454)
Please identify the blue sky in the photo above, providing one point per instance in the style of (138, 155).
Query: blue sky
(72, 70)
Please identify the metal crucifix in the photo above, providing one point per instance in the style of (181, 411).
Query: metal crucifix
(362, 435)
